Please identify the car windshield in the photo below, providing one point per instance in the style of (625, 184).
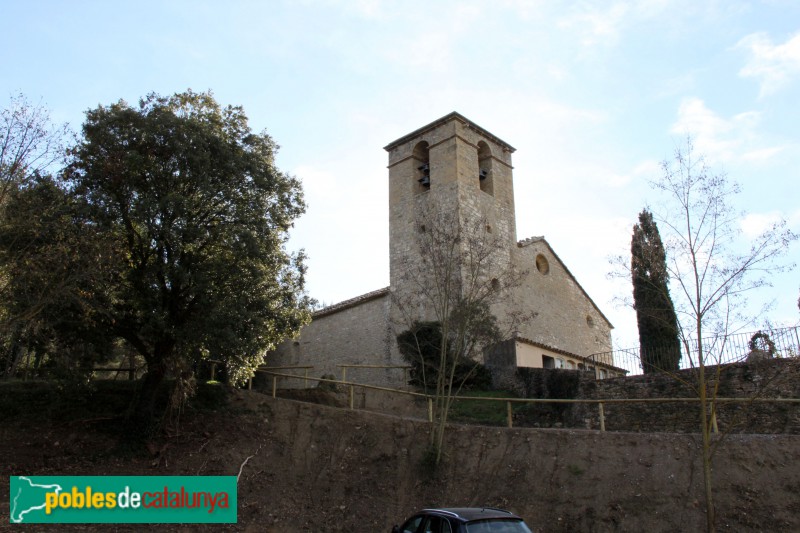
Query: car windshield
(498, 526)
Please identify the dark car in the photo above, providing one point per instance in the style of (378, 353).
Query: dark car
(463, 520)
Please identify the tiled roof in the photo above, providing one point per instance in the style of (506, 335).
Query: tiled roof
(568, 354)
(438, 122)
(350, 303)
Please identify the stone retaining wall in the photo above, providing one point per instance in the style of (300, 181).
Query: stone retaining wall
(779, 378)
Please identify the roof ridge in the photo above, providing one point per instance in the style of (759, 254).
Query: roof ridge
(350, 302)
(530, 240)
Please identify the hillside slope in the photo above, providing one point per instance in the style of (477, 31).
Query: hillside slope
(310, 467)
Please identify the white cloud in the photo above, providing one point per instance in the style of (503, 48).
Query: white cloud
(755, 224)
(598, 25)
(603, 22)
(762, 154)
(774, 65)
(722, 139)
(649, 169)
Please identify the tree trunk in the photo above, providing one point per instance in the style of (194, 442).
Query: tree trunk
(14, 354)
(143, 416)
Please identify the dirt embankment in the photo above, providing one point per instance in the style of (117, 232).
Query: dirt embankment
(318, 468)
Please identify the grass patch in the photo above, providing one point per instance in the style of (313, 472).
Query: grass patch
(488, 413)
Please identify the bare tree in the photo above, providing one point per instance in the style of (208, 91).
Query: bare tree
(29, 142)
(712, 274)
(455, 278)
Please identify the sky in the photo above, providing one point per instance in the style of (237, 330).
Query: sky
(592, 94)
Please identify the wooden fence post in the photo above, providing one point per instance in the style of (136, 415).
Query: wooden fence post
(602, 416)
(213, 371)
(274, 385)
(250, 384)
(509, 415)
(430, 409)
(351, 396)
(344, 373)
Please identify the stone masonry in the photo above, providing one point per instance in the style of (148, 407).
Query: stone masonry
(774, 378)
(455, 168)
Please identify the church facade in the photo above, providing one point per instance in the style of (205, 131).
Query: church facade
(462, 173)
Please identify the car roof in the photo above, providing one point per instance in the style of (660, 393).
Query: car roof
(471, 514)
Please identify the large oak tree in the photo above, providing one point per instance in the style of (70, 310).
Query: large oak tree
(196, 214)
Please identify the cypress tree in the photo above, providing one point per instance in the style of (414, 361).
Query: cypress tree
(655, 314)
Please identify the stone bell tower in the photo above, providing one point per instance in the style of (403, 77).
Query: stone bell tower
(451, 166)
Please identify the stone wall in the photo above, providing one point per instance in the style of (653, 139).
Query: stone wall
(353, 332)
(454, 197)
(566, 316)
(456, 151)
(778, 378)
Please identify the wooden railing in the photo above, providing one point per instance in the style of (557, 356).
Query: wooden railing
(511, 401)
(405, 368)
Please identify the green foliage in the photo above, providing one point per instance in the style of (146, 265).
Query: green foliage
(55, 269)
(29, 146)
(659, 343)
(484, 412)
(762, 341)
(421, 346)
(183, 218)
(549, 383)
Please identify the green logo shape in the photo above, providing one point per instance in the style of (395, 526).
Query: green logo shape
(122, 499)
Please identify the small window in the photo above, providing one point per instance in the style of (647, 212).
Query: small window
(548, 362)
(559, 362)
(589, 321)
(542, 265)
(485, 175)
(570, 364)
(422, 163)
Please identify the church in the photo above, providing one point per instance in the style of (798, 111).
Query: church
(454, 167)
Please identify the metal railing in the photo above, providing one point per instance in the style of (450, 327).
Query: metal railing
(779, 343)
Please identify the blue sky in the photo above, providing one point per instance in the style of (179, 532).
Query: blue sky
(593, 95)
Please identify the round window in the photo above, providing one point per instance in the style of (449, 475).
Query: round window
(542, 265)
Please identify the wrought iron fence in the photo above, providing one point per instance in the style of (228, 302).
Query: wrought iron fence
(735, 348)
